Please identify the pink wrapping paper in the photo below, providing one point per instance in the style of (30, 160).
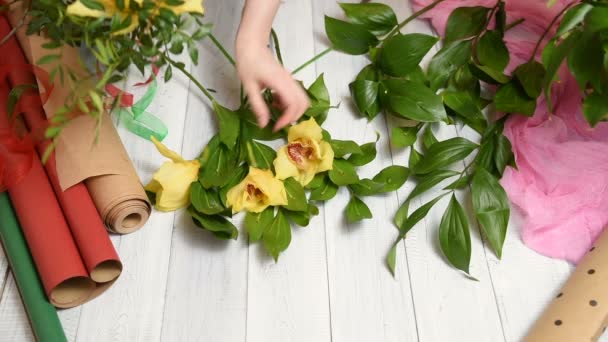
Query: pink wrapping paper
(561, 185)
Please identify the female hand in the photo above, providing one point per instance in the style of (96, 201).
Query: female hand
(259, 70)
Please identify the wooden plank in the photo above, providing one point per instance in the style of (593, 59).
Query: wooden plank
(524, 281)
(367, 304)
(3, 270)
(132, 308)
(207, 283)
(14, 324)
(288, 300)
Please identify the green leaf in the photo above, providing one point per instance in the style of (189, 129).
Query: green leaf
(230, 124)
(428, 139)
(492, 51)
(512, 98)
(465, 22)
(501, 18)
(485, 157)
(586, 61)
(401, 215)
(92, 4)
(48, 59)
(553, 55)
(302, 218)
(595, 108)
(444, 153)
(325, 192)
(414, 158)
(367, 187)
(357, 210)
(445, 63)
(454, 236)
(368, 153)
(401, 54)
(392, 177)
(531, 75)
(259, 155)
(391, 259)
(257, 223)
(377, 18)
(488, 74)
(317, 181)
(344, 147)
(318, 90)
(296, 197)
(491, 208)
(217, 169)
(573, 17)
(412, 100)
(251, 130)
(343, 173)
(597, 19)
(416, 216)
(460, 183)
(404, 136)
(205, 201)
(353, 39)
(365, 97)
(202, 31)
(430, 180)
(463, 104)
(504, 153)
(277, 236)
(216, 224)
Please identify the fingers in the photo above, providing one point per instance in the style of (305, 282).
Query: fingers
(259, 107)
(292, 98)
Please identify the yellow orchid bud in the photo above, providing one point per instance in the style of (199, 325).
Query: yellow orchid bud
(305, 155)
(259, 190)
(171, 183)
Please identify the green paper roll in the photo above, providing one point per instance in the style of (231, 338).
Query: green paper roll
(43, 316)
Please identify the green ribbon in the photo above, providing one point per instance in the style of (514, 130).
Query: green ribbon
(141, 122)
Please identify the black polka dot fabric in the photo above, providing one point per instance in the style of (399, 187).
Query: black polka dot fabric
(578, 312)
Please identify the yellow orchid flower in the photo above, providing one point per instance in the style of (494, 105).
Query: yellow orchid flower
(305, 155)
(189, 6)
(171, 183)
(109, 10)
(259, 190)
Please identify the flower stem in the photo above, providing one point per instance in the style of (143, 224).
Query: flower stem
(542, 37)
(513, 24)
(277, 47)
(222, 49)
(312, 60)
(412, 17)
(189, 75)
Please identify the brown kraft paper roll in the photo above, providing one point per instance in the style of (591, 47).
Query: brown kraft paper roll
(579, 312)
(103, 165)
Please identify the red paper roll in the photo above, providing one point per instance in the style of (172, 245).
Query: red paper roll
(90, 235)
(63, 274)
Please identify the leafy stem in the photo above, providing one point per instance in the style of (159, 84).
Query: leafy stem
(222, 49)
(181, 68)
(553, 21)
(412, 17)
(312, 60)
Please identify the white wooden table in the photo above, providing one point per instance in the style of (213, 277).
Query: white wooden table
(181, 284)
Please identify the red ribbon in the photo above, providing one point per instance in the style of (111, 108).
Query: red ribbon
(126, 98)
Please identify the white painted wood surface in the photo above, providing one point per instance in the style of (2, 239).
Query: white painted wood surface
(181, 284)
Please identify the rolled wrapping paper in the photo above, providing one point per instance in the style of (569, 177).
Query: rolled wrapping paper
(110, 177)
(579, 312)
(42, 315)
(91, 238)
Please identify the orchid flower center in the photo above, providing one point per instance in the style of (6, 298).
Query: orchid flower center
(300, 152)
(253, 193)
